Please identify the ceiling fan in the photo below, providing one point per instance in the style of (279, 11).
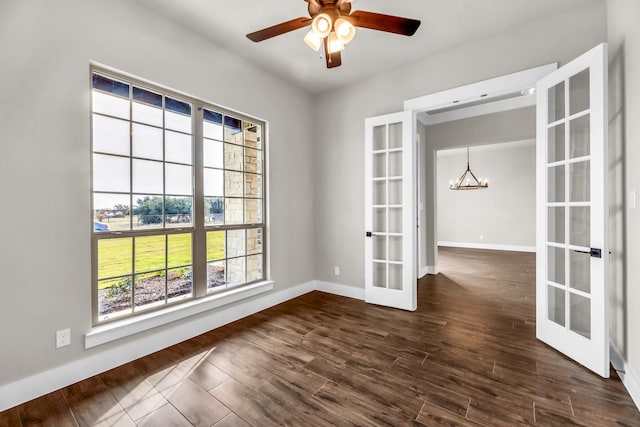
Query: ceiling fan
(333, 25)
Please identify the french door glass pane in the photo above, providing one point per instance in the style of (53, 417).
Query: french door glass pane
(580, 271)
(556, 226)
(380, 165)
(580, 314)
(580, 225)
(379, 247)
(395, 192)
(395, 248)
(395, 220)
(556, 143)
(556, 265)
(580, 182)
(395, 163)
(395, 276)
(556, 102)
(555, 305)
(379, 192)
(379, 220)
(556, 183)
(579, 92)
(395, 135)
(379, 138)
(579, 137)
(380, 274)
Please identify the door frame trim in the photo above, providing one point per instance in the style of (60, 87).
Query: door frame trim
(459, 96)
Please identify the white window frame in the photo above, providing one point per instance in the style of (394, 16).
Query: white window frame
(202, 298)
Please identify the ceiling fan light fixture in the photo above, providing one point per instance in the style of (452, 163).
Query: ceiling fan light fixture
(334, 43)
(345, 30)
(313, 40)
(321, 25)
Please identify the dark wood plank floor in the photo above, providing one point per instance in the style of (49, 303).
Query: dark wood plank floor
(467, 356)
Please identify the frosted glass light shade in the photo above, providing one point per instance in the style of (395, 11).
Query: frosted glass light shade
(321, 25)
(345, 30)
(313, 40)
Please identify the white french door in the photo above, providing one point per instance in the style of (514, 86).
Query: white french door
(572, 211)
(390, 211)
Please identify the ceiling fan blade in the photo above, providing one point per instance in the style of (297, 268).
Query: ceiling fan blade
(388, 23)
(276, 30)
(333, 59)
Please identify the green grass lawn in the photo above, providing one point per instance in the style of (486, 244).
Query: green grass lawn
(115, 255)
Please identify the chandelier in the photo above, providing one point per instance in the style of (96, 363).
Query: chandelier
(468, 181)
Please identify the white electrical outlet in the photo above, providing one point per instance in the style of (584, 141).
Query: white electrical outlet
(63, 337)
(631, 203)
(336, 270)
(481, 237)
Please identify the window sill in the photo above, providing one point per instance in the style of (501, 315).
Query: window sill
(124, 328)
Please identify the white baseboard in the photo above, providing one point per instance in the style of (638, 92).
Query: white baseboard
(338, 289)
(491, 246)
(629, 379)
(29, 388)
(427, 269)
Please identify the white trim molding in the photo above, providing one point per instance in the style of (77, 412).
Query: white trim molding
(490, 246)
(116, 330)
(339, 289)
(627, 376)
(427, 269)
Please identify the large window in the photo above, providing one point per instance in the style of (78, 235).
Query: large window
(178, 197)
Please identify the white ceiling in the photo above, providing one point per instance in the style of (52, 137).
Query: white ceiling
(445, 24)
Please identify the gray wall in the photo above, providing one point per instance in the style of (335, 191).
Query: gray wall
(44, 166)
(503, 214)
(624, 134)
(339, 146)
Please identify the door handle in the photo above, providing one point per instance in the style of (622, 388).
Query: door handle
(594, 252)
(369, 234)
